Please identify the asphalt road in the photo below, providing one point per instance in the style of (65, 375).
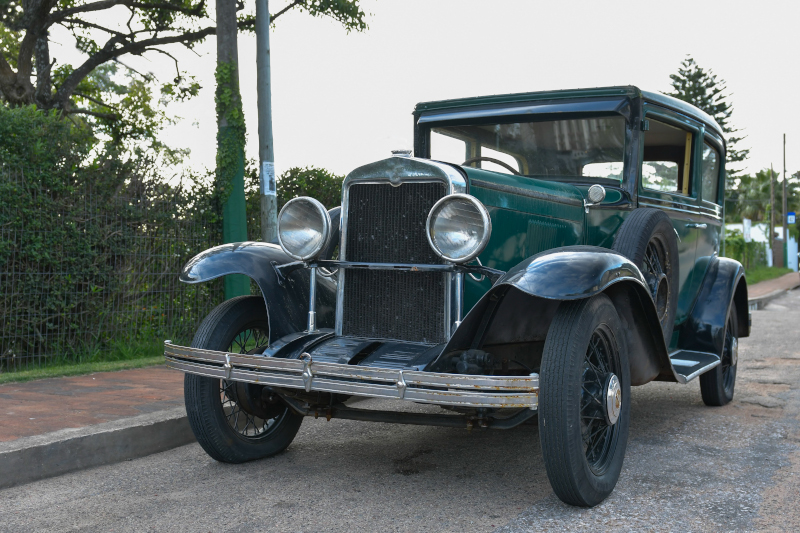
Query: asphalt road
(688, 468)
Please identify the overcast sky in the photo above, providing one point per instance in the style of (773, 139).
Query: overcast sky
(340, 101)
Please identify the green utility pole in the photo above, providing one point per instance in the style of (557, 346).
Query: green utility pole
(230, 139)
(266, 154)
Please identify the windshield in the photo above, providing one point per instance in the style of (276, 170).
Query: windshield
(559, 149)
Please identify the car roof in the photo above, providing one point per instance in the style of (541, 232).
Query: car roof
(628, 91)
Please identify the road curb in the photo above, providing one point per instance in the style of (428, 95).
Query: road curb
(52, 454)
(756, 304)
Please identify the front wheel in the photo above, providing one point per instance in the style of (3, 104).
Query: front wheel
(584, 401)
(236, 422)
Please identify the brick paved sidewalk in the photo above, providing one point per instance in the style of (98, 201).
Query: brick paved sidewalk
(43, 406)
(786, 282)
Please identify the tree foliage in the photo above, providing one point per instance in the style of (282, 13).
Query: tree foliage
(315, 182)
(751, 199)
(701, 88)
(107, 31)
(318, 183)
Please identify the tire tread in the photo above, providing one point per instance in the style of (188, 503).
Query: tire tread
(199, 391)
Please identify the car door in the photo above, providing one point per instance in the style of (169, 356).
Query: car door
(668, 181)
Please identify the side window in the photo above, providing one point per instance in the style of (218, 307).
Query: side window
(612, 170)
(667, 159)
(710, 174)
(447, 148)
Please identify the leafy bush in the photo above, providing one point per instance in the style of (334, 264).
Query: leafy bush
(318, 183)
(750, 254)
(92, 244)
(310, 181)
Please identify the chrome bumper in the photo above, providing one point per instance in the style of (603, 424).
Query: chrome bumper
(424, 387)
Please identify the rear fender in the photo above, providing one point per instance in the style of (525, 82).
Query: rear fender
(522, 303)
(285, 295)
(724, 286)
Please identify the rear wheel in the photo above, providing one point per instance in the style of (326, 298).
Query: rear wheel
(716, 385)
(584, 401)
(236, 422)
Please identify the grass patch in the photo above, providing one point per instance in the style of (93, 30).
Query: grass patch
(77, 369)
(763, 273)
(120, 356)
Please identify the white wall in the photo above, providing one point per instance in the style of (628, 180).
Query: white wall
(791, 253)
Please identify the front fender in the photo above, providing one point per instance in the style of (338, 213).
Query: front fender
(723, 286)
(521, 304)
(286, 296)
(571, 273)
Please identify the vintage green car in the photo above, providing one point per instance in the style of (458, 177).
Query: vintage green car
(539, 254)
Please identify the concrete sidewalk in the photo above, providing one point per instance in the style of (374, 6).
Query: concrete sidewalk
(53, 426)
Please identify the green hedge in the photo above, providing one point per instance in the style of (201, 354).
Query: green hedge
(91, 245)
(750, 254)
(316, 182)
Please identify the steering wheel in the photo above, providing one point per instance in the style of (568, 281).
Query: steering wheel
(491, 160)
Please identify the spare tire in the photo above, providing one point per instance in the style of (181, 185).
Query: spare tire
(648, 239)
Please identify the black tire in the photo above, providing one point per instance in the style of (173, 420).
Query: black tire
(224, 415)
(584, 336)
(648, 239)
(717, 385)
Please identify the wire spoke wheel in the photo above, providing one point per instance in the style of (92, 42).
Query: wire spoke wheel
(232, 420)
(728, 363)
(239, 410)
(656, 263)
(648, 238)
(598, 435)
(584, 400)
(717, 385)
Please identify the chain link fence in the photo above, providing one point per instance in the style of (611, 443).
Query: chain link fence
(86, 267)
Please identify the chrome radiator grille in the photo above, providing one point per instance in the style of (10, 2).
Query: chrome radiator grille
(386, 224)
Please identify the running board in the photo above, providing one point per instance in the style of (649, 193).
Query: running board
(689, 364)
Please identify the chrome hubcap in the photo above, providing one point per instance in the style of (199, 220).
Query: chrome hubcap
(613, 397)
(734, 351)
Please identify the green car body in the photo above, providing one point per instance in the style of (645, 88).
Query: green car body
(523, 226)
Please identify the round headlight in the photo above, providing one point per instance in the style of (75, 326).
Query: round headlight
(304, 228)
(458, 228)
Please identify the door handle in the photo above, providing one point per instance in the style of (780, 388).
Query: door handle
(697, 225)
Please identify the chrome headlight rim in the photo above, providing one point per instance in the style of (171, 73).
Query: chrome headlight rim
(487, 227)
(326, 227)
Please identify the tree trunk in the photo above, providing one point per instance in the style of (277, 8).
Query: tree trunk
(43, 80)
(230, 139)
